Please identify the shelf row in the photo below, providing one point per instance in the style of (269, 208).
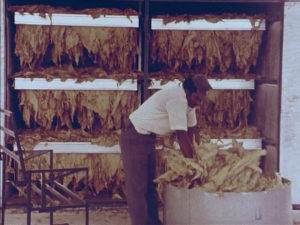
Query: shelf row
(59, 19)
(110, 84)
(88, 148)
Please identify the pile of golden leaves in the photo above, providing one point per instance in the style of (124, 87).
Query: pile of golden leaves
(217, 171)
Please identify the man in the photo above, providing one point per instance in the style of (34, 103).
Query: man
(168, 110)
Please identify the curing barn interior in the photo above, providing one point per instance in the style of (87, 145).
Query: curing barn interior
(73, 82)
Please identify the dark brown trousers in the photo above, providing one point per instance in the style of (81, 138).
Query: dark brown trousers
(139, 163)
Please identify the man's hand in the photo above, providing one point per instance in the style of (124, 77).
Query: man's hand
(185, 143)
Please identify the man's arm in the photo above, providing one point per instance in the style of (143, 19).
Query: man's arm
(185, 143)
(193, 132)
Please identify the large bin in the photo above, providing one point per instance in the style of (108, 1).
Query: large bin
(193, 207)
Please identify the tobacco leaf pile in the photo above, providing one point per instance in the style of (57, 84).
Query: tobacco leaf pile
(93, 110)
(223, 52)
(217, 171)
(107, 47)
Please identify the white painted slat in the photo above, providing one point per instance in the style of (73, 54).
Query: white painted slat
(230, 84)
(202, 24)
(247, 143)
(70, 84)
(59, 19)
(88, 148)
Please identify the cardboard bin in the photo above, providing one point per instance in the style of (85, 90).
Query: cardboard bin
(193, 207)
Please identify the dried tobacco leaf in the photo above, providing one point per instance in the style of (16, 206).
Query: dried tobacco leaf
(32, 42)
(109, 48)
(208, 51)
(234, 170)
(100, 110)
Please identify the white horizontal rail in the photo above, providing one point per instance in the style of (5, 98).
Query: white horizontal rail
(59, 19)
(247, 143)
(88, 148)
(232, 84)
(202, 24)
(70, 84)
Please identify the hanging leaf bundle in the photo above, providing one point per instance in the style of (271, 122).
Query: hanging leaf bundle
(93, 110)
(106, 47)
(208, 51)
(230, 109)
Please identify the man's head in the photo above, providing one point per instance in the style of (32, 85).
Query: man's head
(196, 87)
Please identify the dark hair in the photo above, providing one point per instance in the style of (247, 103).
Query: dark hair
(188, 84)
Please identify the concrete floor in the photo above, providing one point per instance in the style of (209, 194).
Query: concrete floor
(104, 216)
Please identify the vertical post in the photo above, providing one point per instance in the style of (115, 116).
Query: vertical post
(2, 85)
(140, 40)
(43, 189)
(140, 35)
(3, 188)
(29, 198)
(146, 49)
(20, 151)
(86, 197)
(51, 217)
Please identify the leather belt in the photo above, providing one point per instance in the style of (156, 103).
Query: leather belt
(129, 125)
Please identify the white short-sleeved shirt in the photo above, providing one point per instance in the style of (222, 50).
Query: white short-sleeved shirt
(164, 112)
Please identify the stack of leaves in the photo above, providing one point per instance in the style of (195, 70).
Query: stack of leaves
(80, 74)
(217, 171)
(92, 110)
(107, 47)
(209, 51)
